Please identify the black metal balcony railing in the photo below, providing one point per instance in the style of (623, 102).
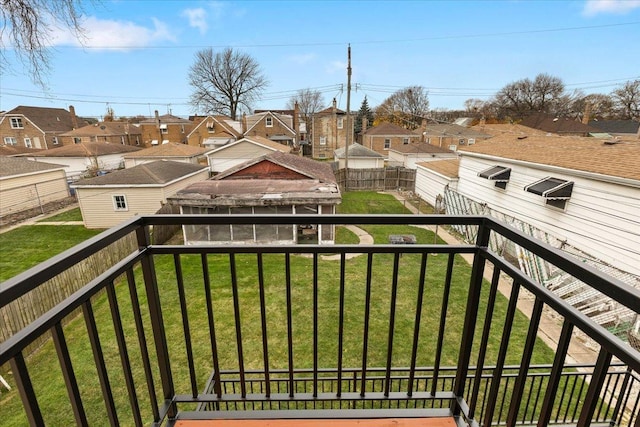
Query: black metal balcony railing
(212, 331)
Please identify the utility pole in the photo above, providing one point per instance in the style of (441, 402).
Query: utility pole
(346, 147)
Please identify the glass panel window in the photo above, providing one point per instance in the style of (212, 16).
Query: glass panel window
(269, 122)
(405, 141)
(55, 140)
(340, 122)
(77, 140)
(16, 123)
(387, 143)
(323, 140)
(120, 202)
(10, 140)
(242, 232)
(27, 143)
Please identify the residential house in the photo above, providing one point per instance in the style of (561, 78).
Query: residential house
(107, 132)
(329, 131)
(495, 129)
(408, 155)
(169, 151)
(214, 131)
(85, 159)
(281, 128)
(37, 127)
(358, 157)
(626, 130)
(450, 135)
(243, 150)
(432, 178)
(585, 192)
(559, 125)
(386, 136)
(165, 128)
(25, 184)
(15, 150)
(108, 200)
(272, 184)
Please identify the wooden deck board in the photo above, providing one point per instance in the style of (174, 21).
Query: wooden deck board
(373, 422)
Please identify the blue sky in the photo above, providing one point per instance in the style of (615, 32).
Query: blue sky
(137, 53)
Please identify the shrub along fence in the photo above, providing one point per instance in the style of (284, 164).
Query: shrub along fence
(378, 179)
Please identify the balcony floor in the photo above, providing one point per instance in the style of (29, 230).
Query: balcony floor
(379, 422)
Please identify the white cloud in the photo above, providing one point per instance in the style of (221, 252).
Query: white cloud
(197, 18)
(336, 66)
(118, 35)
(302, 59)
(595, 7)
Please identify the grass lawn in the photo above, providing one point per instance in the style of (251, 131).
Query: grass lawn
(49, 383)
(70, 215)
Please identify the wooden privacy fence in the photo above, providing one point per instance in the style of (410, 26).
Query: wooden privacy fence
(34, 304)
(379, 179)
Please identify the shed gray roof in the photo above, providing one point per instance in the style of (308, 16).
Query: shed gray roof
(86, 149)
(616, 126)
(11, 166)
(358, 150)
(153, 173)
(420, 148)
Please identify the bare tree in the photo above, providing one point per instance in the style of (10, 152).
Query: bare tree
(596, 105)
(225, 81)
(627, 100)
(405, 107)
(309, 102)
(520, 98)
(27, 26)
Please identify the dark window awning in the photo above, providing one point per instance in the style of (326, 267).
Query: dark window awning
(551, 188)
(496, 173)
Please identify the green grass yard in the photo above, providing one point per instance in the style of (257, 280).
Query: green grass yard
(50, 386)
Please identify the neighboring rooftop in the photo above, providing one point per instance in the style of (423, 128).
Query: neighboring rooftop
(357, 150)
(384, 129)
(576, 153)
(495, 129)
(86, 149)
(166, 118)
(453, 130)
(11, 166)
(420, 148)
(105, 129)
(171, 149)
(12, 150)
(448, 168)
(47, 119)
(616, 126)
(153, 173)
(559, 125)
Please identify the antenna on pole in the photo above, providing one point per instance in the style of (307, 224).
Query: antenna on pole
(348, 133)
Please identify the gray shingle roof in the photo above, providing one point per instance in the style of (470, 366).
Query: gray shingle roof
(390, 129)
(358, 150)
(10, 166)
(47, 119)
(154, 173)
(616, 126)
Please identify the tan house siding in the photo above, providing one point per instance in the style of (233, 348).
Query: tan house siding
(98, 209)
(174, 133)
(277, 128)
(201, 133)
(328, 135)
(24, 192)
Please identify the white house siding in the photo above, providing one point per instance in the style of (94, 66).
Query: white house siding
(430, 184)
(235, 154)
(75, 167)
(409, 160)
(19, 193)
(98, 211)
(361, 163)
(601, 218)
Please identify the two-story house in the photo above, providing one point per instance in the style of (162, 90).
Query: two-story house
(165, 128)
(388, 136)
(450, 135)
(281, 128)
(214, 132)
(329, 131)
(37, 127)
(109, 132)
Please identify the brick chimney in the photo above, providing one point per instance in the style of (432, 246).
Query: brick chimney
(157, 119)
(587, 113)
(74, 118)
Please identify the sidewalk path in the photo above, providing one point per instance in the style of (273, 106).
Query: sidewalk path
(549, 329)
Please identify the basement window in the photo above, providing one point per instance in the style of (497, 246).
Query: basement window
(499, 174)
(555, 191)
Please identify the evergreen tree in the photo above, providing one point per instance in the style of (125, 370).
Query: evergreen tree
(364, 111)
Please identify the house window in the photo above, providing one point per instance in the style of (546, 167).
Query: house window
(137, 140)
(122, 140)
(10, 140)
(27, 143)
(555, 191)
(182, 128)
(340, 122)
(268, 122)
(120, 203)
(77, 140)
(16, 123)
(55, 140)
(387, 143)
(323, 140)
(405, 141)
(499, 174)
(163, 129)
(210, 127)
